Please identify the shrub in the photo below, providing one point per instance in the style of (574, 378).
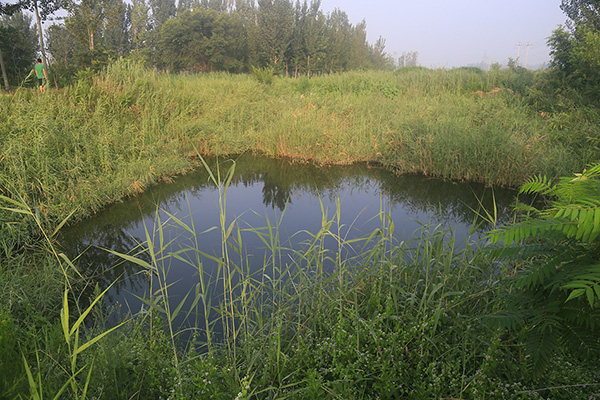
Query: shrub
(556, 295)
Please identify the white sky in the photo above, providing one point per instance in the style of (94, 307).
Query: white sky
(451, 33)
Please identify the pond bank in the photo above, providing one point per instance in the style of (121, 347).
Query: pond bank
(101, 140)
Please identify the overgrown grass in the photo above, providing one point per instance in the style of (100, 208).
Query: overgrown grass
(112, 135)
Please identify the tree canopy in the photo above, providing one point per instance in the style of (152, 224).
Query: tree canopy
(294, 38)
(575, 49)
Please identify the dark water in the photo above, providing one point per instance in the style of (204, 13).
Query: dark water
(298, 195)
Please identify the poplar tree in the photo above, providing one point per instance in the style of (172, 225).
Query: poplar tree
(275, 20)
(18, 42)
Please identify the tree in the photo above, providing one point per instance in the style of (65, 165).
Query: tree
(140, 29)
(557, 277)
(202, 40)
(18, 46)
(359, 48)
(162, 10)
(574, 50)
(100, 29)
(309, 40)
(6, 9)
(115, 32)
(380, 59)
(62, 48)
(10, 8)
(275, 20)
(408, 59)
(339, 35)
(583, 12)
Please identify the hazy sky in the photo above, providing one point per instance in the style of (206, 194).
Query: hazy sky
(449, 33)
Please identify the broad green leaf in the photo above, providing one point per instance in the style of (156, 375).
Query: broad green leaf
(64, 317)
(87, 380)
(64, 387)
(132, 259)
(176, 312)
(70, 264)
(63, 222)
(89, 309)
(575, 294)
(596, 230)
(20, 205)
(17, 210)
(597, 290)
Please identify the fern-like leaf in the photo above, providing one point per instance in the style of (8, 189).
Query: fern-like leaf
(538, 184)
(543, 342)
(505, 319)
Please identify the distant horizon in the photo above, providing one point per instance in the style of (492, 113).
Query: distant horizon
(472, 32)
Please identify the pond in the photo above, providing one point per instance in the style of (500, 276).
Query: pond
(294, 201)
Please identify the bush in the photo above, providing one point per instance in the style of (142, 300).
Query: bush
(556, 295)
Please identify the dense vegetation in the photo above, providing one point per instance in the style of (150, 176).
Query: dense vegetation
(292, 38)
(124, 129)
(405, 319)
(128, 127)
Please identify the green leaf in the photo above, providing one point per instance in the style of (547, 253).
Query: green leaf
(94, 340)
(176, 312)
(575, 294)
(22, 207)
(589, 293)
(596, 230)
(63, 222)
(70, 264)
(64, 317)
(89, 309)
(132, 259)
(33, 389)
(597, 291)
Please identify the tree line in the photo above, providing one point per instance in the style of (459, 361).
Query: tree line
(292, 38)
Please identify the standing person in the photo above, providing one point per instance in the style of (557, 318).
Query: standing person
(40, 69)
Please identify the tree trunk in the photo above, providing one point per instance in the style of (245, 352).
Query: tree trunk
(6, 86)
(39, 24)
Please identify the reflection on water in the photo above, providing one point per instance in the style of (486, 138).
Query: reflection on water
(261, 189)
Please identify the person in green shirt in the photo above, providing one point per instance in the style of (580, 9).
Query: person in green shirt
(41, 74)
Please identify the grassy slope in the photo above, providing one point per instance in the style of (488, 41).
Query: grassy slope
(96, 142)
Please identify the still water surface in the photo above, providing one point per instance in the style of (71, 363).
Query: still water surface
(298, 195)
